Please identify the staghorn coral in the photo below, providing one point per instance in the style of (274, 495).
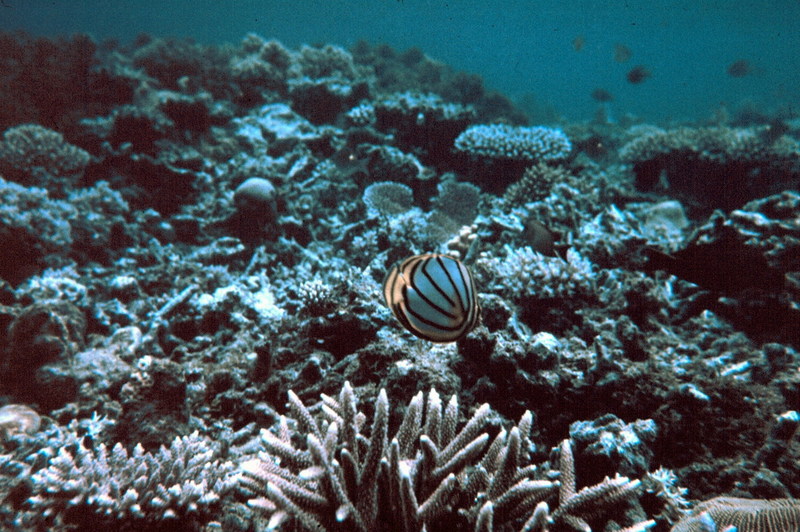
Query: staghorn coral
(344, 479)
(663, 483)
(576, 507)
(746, 515)
(96, 484)
(500, 141)
(13, 474)
(324, 471)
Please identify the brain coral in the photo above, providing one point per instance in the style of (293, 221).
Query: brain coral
(500, 141)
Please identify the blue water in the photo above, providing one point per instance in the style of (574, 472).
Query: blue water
(523, 47)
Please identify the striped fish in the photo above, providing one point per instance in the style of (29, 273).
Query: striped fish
(433, 296)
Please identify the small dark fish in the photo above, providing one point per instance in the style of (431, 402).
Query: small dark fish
(578, 43)
(539, 237)
(740, 68)
(725, 265)
(638, 74)
(602, 95)
(621, 53)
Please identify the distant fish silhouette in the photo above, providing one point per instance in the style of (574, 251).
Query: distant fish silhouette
(725, 265)
(621, 53)
(740, 68)
(578, 43)
(602, 95)
(638, 74)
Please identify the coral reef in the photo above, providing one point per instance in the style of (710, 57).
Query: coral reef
(503, 152)
(33, 228)
(192, 231)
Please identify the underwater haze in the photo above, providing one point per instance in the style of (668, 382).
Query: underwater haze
(558, 52)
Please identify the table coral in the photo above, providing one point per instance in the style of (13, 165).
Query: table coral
(500, 141)
(713, 167)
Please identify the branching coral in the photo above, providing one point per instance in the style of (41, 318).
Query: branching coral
(417, 119)
(31, 226)
(575, 507)
(184, 480)
(325, 81)
(535, 184)
(523, 272)
(329, 473)
(714, 144)
(260, 66)
(344, 479)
